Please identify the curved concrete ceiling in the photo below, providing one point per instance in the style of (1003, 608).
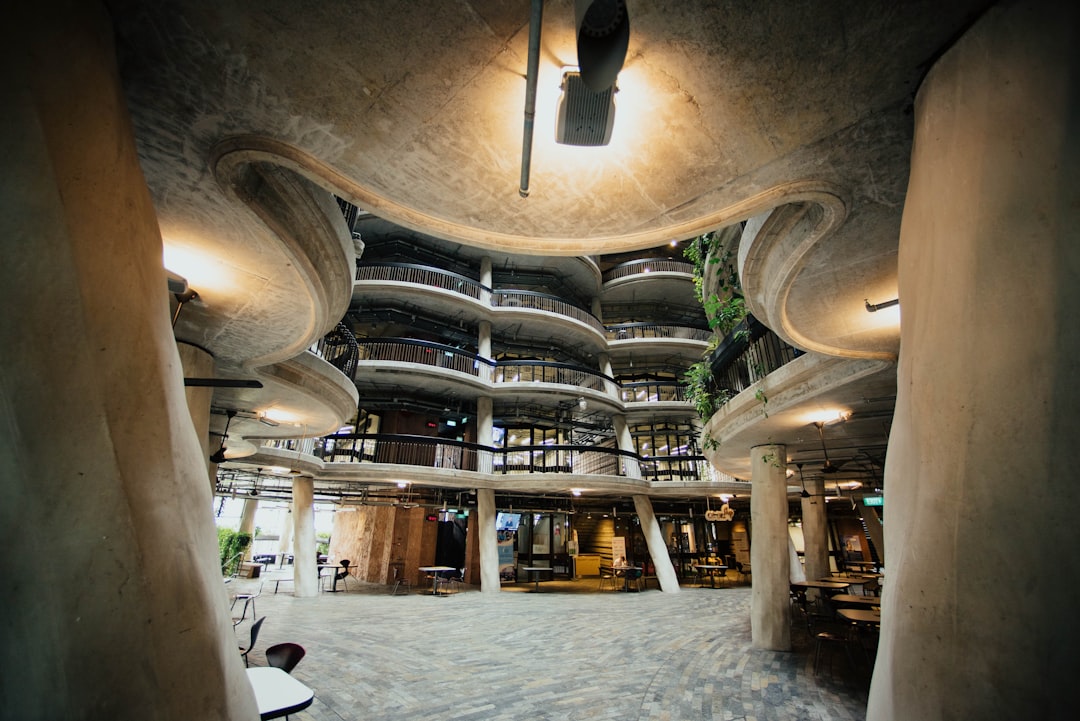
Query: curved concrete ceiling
(245, 112)
(415, 111)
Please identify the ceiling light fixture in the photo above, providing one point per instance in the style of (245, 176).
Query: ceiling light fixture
(875, 307)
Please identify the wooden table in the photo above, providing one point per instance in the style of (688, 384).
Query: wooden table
(710, 568)
(535, 572)
(277, 693)
(833, 586)
(435, 571)
(863, 616)
(846, 599)
(624, 571)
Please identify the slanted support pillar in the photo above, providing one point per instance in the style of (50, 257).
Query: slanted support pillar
(658, 550)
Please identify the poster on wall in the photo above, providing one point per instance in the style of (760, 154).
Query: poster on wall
(618, 551)
(852, 547)
(740, 544)
(506, 556)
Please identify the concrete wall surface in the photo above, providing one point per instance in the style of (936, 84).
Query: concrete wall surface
(975, 624)
(113, 602)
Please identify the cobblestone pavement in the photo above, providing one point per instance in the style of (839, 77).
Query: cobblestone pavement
(567, 653)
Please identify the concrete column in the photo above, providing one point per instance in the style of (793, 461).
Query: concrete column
(483, 341)
(247, 523)
(485, 280)
(489, 547)
(658, 550)
(626, 443)
(597, 309)
(980, 486)
(485, 423)
(483, 349)
(144, 631)
(285, 540)
(815, 532)
(305, 561)
(604, 361)
(770, 607)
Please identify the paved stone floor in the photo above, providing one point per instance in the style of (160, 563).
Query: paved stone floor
(568, 652)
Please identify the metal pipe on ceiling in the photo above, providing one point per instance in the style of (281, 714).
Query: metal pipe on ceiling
(535, 20)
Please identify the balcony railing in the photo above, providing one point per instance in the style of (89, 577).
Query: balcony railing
(421, 275)
(431, 452)
(408, 350)
(739, 362)
(652, 391)
(627, 331)
(648, 265)
(339, 349)
(676, 468)
(524, 371)
(542, 301)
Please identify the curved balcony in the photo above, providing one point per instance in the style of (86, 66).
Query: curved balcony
(439, 462)
(632, 331)
(420, 275)
(427, 353)
(533, 300)
(431, 452)
(647, 265)
(740, 361)
(653, 392)
(525, 371)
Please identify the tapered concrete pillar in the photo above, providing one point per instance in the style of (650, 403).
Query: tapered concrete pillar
(485, 280)
(305, 561)
(658, 550)
(489, 545)
(630, 464)
(815, 531)
(770, 605)
(286, 525)
(100, 467)
(980, 483)
(197, 363)
(247, 524)
(485, 424)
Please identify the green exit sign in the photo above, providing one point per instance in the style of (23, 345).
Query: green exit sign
(873, 500)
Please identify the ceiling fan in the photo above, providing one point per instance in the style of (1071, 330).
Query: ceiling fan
(222, 383)
(829, 466)
(219, 455)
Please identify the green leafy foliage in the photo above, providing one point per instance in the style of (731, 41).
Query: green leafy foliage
(231, 545)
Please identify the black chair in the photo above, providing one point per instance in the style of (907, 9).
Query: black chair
(342, 575)
(284, 656)
(254, 635)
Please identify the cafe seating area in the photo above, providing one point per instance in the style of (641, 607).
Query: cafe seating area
(377, 656)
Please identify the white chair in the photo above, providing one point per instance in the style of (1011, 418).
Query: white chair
(249, 600)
